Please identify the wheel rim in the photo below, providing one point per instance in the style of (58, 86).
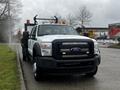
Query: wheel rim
(34, 68)
(35, 74)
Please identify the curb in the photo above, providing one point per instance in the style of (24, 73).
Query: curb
(20, 69)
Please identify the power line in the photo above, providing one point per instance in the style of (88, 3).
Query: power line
(9, 8)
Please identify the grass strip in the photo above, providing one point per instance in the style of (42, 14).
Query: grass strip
(9, 75)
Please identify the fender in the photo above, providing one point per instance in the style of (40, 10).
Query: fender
(36, 50)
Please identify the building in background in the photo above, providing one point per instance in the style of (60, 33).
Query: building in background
(94, 32)
(114, 30)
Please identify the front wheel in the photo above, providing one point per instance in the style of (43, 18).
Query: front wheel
(36, 76)
(35, 72)
(91, 74)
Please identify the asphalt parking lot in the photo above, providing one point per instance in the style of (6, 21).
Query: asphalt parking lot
(107, 78)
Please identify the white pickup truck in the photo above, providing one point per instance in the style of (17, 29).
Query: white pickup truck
(58, 49)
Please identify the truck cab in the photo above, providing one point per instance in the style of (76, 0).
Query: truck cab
(59, 49)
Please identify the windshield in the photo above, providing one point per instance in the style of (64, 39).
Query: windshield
(56, 30)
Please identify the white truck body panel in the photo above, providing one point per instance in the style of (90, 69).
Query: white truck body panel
(50, 38)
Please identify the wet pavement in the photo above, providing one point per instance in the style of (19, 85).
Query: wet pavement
(107, 78)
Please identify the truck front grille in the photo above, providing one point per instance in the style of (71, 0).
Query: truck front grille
(72, 49)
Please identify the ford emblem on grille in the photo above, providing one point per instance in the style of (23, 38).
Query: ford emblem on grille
(76, 49)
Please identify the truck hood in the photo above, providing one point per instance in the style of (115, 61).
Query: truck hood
(50, 38)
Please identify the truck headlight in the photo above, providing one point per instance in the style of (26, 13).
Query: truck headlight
(46, 49)
(96, 48)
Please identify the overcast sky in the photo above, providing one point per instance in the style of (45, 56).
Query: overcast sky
(104, 11)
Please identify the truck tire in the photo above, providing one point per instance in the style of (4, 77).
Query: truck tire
(36, 74)
(91, 74)
(36, 71)
(36, 77)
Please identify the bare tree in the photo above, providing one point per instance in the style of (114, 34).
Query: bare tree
(71, 19)
(9, 10)
(3, 8)
(83, 15)
(3, 18)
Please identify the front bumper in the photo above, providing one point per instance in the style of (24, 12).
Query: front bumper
(51, 65)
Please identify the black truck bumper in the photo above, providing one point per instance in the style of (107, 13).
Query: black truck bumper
(50, 65)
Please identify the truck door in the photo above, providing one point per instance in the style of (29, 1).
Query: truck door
(32, 40)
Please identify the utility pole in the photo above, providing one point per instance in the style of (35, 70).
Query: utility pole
(9, 20)
(9, 8)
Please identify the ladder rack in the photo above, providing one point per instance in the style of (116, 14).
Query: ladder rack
(35, 19)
